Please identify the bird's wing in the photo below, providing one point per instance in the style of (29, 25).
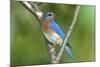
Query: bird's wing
(58, 30)
(55, 27)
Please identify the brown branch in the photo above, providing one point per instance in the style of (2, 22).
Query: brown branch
(33, 7)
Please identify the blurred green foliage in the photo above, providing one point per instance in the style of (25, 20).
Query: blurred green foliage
(27, 41)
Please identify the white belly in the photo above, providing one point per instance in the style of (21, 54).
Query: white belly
(53, 38)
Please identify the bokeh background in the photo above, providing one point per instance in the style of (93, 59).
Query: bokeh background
(27, 42)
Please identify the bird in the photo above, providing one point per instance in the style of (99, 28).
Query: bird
(53, 33)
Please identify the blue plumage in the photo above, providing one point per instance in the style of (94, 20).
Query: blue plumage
(53, 33)
(57, 29)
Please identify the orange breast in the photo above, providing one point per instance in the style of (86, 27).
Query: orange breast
(45, 25)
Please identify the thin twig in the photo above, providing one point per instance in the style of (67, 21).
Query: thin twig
(68, 33)
(33, 7)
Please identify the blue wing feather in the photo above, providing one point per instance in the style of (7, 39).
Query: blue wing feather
(57, 29)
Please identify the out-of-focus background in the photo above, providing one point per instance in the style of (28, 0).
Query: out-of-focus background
(27, 42)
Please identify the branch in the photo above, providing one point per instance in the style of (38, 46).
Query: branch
(68, 33)
(33, 7)
(51, 51)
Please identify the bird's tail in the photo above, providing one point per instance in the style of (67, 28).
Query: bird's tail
(69, 52)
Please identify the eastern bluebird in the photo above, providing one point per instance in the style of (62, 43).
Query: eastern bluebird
(53, 32)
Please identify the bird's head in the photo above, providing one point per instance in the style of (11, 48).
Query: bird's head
(49, 16)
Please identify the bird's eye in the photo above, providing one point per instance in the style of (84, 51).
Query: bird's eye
(49, 15)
